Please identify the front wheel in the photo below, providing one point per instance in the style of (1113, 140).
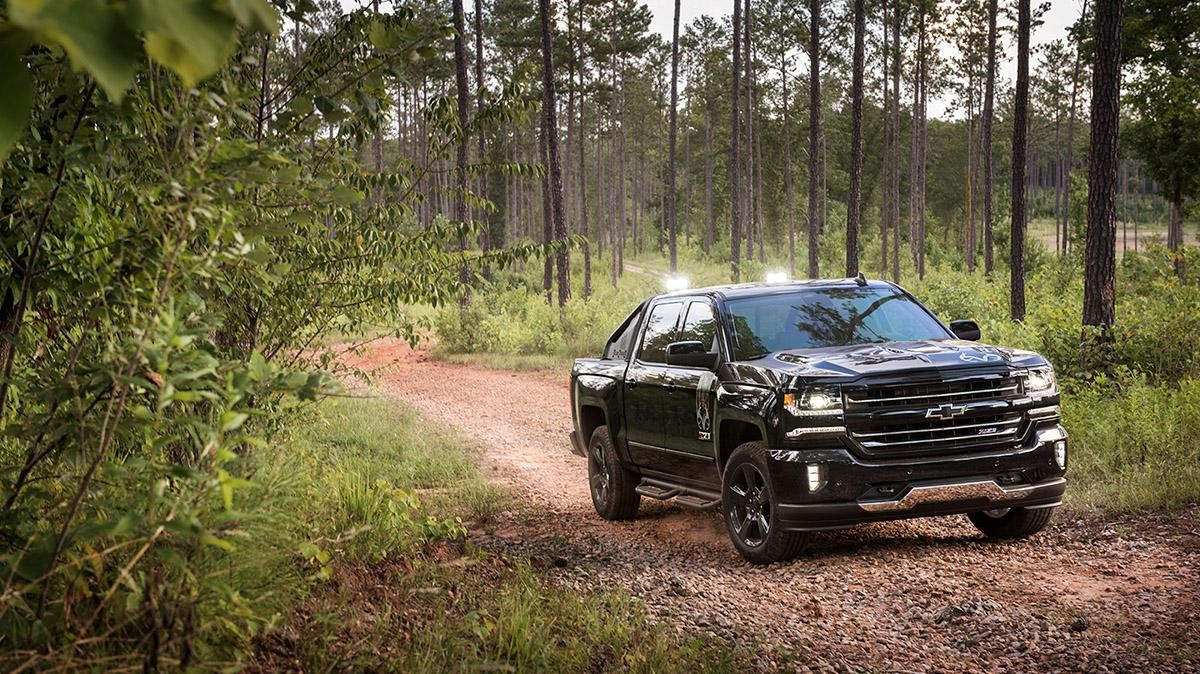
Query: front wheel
(1011, 522)
(749, 504)
(613, 486)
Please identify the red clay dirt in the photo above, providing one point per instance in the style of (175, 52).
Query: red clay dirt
(1092, 593)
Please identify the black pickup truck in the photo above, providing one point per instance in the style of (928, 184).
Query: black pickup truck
(801, 406)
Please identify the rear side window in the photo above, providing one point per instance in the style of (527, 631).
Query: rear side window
(660, 331)
(700, 325)
(620, 344)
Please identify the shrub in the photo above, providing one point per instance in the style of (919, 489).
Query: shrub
(1133, 445)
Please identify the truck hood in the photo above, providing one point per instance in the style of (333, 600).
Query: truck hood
(848, 362)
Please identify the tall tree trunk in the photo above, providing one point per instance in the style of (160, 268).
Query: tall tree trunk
(760, 224)
(671, 215)
(922, 46)
(622, 181)
(463, 93)
(787, 164)
(969, 248)
(854, 204)
(555, 182)
(377, 139)
(1020, 127)
(735, 222)
(1124, 206)
(547, 214)
(1058, 206)
(1099, 284)
(485, 234)
(611, 187)
(1175, 233)
(885, 173)
(896, 144)
(748, 152)
(1069, 160)
(710, 220)
(989, 93)
(814, 130)
(914, 135)
(583, 204)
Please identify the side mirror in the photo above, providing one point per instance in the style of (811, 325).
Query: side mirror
(691, 354)
(966, 329)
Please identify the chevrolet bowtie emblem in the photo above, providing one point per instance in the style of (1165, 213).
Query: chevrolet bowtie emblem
(945, 411)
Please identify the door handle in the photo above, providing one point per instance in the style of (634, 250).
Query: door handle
(631, 383)
(670, 387)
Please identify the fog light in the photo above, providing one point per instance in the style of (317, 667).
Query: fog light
(816, 476)
(1060, 454)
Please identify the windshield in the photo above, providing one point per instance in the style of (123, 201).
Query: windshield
(823, 317)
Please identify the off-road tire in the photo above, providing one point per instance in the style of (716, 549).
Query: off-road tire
(1016, 523)
(610, 483)
(748, 499)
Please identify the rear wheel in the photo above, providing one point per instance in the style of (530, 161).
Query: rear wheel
(611, 484)
(749, 504)
(1011, 522)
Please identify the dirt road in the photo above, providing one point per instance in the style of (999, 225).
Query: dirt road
(1091, 593)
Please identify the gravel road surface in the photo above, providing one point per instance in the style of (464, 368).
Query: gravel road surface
(1096, 593)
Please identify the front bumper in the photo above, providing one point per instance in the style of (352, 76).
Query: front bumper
(856, 491)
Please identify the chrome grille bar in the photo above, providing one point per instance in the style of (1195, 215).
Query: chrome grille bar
(956, 394)
(954, 438)
(941, 429)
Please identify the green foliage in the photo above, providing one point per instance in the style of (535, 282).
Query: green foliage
(1133, 444)
(192, 38)
(172, 267)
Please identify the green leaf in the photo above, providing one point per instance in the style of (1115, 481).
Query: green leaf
(344, 196)
(209, 539)
(16, 101)
(92, 32)
(255, 15)
(190, 37)
(35, 560)
(232, 420)
(381, 38)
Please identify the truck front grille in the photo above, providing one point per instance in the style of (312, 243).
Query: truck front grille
(960, 415)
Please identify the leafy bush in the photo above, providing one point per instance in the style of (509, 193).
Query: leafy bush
(1133, 445)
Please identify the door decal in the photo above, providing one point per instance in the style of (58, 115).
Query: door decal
(704, 394)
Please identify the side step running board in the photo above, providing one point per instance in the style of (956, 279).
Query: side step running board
(685, 496)
(655, 491)
(697, 502)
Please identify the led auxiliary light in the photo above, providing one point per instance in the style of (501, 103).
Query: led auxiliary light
(815, 472)
(776, 277)
(1060, 454)
(674, 283)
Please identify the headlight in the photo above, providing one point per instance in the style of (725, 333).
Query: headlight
(813, 402)
(1041, 379)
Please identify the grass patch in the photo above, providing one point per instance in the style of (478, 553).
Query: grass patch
(1133, 445)
(519, 362)
(381, 498)
(470, 611)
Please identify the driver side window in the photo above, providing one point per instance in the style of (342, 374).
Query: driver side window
(700, 325)
(660, 331)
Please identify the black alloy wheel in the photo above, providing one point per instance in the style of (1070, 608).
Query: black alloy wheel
(750, 507)
(612, 485)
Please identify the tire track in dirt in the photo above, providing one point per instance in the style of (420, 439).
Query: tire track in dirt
(1091, 593)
